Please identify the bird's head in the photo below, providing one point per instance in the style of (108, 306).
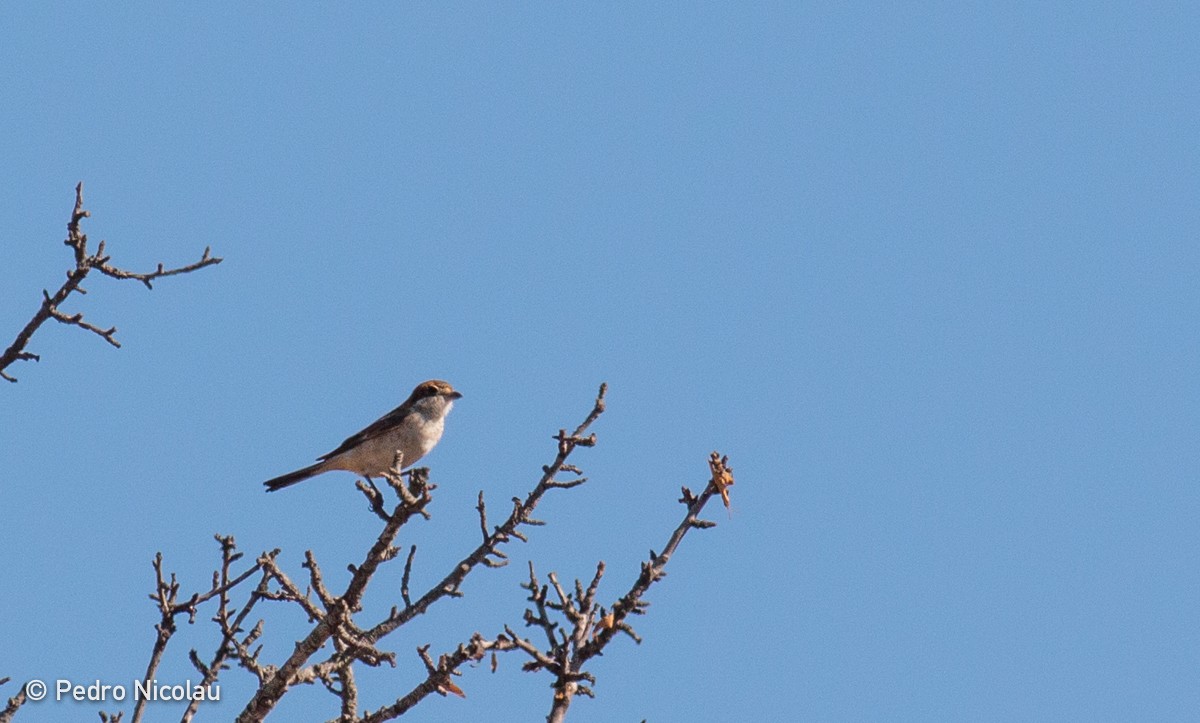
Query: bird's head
(434, 396)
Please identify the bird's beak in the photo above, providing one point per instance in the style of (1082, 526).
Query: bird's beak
(455, 395)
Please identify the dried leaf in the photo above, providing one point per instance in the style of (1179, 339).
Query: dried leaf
(722, 475)
(608, 622)
(450, 687)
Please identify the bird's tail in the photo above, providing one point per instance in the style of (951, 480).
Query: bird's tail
(291, 478)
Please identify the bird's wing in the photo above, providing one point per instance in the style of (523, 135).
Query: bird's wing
(376, 428)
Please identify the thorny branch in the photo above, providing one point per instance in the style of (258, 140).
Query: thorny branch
(85, 263)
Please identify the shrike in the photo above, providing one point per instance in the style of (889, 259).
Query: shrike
(413, 428)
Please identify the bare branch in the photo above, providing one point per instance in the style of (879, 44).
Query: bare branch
(438, 678)
(166, 595)
(84, 263)
(206, 259)
(653, 570)
(230, 646)
(332, 621)
(318, 583)
(591, 627)
(288, 590)
(374, 497)
(14, 703)
(348, 692)
(412, 552)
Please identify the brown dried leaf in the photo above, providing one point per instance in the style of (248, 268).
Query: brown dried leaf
(722, 475)
(450, 687)
(608, 622)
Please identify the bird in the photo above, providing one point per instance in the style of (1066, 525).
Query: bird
(413, 428)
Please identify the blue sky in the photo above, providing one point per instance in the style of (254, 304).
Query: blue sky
(926, 273)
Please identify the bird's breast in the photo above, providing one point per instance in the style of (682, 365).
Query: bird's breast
(414, 437)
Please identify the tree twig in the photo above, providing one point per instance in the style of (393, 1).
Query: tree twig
(14, 703)
(85, 262)
(335, 617)
(166, 595)
(592, 627)
(438, 678)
